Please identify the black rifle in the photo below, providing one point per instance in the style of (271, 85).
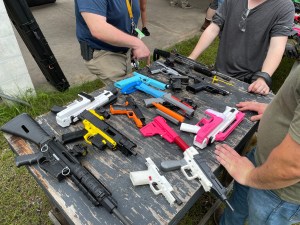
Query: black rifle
(30, 32)
(55, 159)
(174, 57)
(200, 86)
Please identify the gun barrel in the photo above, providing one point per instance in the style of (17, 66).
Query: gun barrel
(26, 127)
(217, 187)
(121, 217)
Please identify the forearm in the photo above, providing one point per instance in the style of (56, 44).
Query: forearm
(280, 170)
(105, 32)
(116, 37)
(274, 55)
(208, 36)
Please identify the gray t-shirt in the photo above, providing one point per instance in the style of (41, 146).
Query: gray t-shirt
(282, 117)
(243, 53)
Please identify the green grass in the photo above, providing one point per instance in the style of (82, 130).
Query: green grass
(23, 201)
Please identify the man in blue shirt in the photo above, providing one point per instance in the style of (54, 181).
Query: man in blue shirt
(106, 33)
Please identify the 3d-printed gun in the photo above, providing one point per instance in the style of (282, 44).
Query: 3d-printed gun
(158, 183)
(137, 77)
(57, 161)
(186, 110)
(174, 57)
(200, 86)
(175, 78)
(179, 76)
(131, 109)
(192, 166)
(216, 128)
(100, 134)
(65, 116)
(159, 67)
(165, 112)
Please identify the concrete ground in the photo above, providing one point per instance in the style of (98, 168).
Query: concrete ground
(168, 25)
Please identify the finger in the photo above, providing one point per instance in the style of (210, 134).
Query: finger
(242, 104)
(246, 107)
(222, 162)
(255, 118)
(229, 150)
(148, 61)
(222, 155)
(266, 90)
(256, 88)
(251, 87)
(260, 89)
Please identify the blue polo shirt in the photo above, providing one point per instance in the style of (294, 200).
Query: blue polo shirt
(116, 14)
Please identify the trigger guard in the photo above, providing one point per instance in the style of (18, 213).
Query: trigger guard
(185, 174)
(156, 192)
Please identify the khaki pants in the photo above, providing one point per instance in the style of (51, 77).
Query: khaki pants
(109, 66)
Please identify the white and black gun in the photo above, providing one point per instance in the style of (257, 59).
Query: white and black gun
(65, 116)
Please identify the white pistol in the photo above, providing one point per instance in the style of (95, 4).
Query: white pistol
(157, 182)
(67, 115)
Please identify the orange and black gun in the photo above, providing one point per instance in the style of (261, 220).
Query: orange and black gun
(131, 109)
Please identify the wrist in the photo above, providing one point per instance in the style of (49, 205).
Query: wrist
(136, 43)
(264, 75)
(192, 56)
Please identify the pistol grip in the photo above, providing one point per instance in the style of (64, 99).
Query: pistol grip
(30, 159)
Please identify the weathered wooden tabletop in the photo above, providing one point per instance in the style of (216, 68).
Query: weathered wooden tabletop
(138, 204)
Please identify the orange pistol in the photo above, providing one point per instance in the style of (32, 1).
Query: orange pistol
(131, 109)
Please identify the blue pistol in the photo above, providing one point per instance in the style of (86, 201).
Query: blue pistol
(159, 96)
(142, 78)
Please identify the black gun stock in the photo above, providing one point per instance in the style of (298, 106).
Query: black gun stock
(25, 127)
(60, 163)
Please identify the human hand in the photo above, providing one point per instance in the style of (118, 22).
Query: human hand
(253, 106)
(141, 51)
(191, 57)
(239, 167)
(259, 86)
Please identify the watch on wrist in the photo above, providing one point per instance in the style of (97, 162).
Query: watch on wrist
(263, 75)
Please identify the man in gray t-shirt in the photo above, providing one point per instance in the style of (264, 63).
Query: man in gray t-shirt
(253, 36)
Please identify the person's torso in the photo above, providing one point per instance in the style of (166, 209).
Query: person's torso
(281, 117)
(116, 14)
(243, 53)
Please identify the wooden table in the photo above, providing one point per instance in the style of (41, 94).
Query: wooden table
(138, 204)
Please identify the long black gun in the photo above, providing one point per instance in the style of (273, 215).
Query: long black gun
(174, 57)
(30, 32)
(55, 159)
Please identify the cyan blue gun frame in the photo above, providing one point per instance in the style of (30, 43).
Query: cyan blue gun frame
(137, 77)
(186, 110)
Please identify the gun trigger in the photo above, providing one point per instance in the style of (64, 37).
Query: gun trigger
(155, 186)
